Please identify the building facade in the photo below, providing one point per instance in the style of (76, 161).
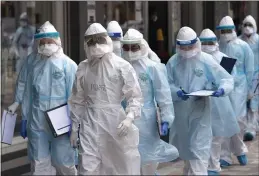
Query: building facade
(71, 19)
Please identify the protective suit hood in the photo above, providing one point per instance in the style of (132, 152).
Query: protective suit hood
(114, 31)
(47, 30)
(98, 50)
(133, 36)
(208, 35)
(250, 19)
(188, 37)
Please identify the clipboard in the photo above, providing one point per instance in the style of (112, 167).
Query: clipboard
(59, 120)
(166, 137)
(228, 64)
(8, 126)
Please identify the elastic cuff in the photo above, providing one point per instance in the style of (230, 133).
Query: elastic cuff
(75, 126)
(130, 115)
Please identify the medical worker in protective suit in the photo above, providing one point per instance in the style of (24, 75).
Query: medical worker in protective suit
(250, 36)
(108, 138)
(191, 70)
(235, 48)
(23, 41)
(115, 32)
(155, 90)
(47, 84)
(223, 119)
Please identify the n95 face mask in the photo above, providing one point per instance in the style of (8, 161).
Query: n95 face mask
(48, 49)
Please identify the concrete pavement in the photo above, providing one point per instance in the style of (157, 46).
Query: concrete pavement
(251, 169)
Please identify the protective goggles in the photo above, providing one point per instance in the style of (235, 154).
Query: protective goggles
(92, 40)
(208, 43)
(131, 47)
(248, 25)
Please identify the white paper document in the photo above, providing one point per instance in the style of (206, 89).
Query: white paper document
(201, 93)
(8, 125)
(60, 120)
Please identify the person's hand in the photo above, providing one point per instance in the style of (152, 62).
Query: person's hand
(218, 93)
(164, 128)
(182, 95)
(23, 131)
(13, 107)
(124, 126)
(73, 139)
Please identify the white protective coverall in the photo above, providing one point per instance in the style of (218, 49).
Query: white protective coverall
(235, 48)
(223, 119)
(115, 32)
(23, 41)
(45, 83)
(154, 85)
(191, 70)
(250, 36)
(102, 82)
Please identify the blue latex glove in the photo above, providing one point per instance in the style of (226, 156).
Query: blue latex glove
(182, 95)
(164, 128)
(23, 131)
(218, 93)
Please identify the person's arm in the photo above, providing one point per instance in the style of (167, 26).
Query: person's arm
(161, 91)
(249, 64)
(16, 40)
(132, 93)
(217, 73)
(76, 99)
(174, 89)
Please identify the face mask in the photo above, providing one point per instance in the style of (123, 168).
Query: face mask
(97, 51)
(23, 23)
(117, 48)
(188, 54)
(48, 49)
(130, 56)
(208, 48)
(226, 37)
(248, 30)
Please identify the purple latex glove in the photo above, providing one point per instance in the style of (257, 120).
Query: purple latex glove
(182, 95)
(218, 93)
(23, 131)
(164, 128)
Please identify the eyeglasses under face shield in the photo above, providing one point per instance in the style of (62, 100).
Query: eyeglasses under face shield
(131, 47)
(92, 40)
(248, 25)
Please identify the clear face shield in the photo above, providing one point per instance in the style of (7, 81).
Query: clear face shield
(131, 51)
(97, 45)
(188, 49)
(116, 41)
(227, 35)
(47, 46)
(209, 46)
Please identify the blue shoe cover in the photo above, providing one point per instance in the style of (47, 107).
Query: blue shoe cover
(213, 172)
(248, 136)
(223, 163)
(156, 174)
(242, 160)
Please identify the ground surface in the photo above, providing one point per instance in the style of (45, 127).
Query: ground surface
(251, 169)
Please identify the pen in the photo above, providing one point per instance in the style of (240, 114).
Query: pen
(183, 90)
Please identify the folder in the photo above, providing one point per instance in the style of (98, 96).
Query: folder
(8, 125)
(228, 64)
(201, 93)
(59, 120)
(166, 137)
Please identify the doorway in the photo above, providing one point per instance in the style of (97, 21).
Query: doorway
(158, 19)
